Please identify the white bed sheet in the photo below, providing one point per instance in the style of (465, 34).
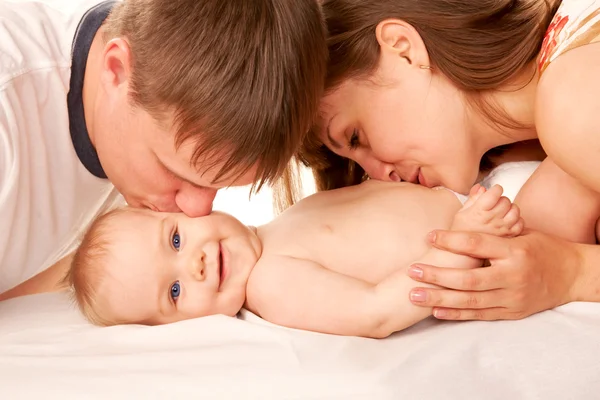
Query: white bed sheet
(48, 351)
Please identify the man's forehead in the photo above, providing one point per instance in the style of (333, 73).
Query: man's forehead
(182, 164)
(180, 156)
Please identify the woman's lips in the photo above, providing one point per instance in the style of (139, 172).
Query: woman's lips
(421, 179)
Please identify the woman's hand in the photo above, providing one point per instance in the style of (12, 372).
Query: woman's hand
(527, 274)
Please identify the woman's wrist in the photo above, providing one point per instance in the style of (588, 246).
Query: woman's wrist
(586, 285)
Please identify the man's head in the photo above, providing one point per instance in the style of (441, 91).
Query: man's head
(192, 96)
(140, 266)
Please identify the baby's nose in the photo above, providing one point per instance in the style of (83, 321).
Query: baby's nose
(197, 266)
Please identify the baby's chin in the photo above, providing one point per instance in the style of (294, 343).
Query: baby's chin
(234, 306)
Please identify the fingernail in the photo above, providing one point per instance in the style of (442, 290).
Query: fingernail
(431, 236)
(440, 314)
(415, 272)
(418, 296)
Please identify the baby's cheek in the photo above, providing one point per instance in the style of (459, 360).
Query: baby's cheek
(195, 304)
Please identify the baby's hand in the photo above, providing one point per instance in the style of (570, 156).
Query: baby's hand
(489, 212)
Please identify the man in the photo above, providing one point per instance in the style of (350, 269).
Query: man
(164, 102)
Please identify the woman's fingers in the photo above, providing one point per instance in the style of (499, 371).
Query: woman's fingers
(456, 299)
(477, 245)
(477, 279)
(486, 314)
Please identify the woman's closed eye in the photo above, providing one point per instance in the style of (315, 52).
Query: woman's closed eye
(354, 141)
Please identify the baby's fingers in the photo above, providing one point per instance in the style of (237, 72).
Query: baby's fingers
(490, 198)
(514, 221)
(518, 227)
(513, 215)
(476, 190)
(502, 207)
(474, 194)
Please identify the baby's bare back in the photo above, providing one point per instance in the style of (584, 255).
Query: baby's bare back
(367, 231)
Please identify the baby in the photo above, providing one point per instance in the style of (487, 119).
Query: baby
(333, 263)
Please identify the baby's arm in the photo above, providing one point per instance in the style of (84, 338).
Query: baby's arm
(301, 294)
(553, 202)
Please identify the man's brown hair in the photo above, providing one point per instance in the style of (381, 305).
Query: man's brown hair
(243, 77)
(480, 45)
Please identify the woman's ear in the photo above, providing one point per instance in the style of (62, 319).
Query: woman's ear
(401, 40)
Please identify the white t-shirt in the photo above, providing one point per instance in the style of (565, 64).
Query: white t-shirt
(47, 193)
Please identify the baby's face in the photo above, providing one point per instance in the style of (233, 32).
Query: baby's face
(165, 267)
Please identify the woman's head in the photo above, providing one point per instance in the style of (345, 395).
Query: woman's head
(408, 81)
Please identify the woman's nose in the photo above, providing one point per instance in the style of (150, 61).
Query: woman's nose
(380, 170)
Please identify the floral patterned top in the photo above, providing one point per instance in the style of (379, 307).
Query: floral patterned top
(576, 23)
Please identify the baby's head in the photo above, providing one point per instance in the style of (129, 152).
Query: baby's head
(142, 267)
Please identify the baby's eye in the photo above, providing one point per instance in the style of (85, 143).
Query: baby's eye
(175, 290)
(176, 241)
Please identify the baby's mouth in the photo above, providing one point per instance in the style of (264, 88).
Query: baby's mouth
(221, 266)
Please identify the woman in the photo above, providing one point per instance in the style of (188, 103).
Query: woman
(422, 90)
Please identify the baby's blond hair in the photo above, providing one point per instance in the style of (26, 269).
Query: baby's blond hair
(88, 267)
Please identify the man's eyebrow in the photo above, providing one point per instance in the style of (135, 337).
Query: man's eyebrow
(186, 180)
(179, 177)
(331, 140)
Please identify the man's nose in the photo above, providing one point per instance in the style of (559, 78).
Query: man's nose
(195, 201)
